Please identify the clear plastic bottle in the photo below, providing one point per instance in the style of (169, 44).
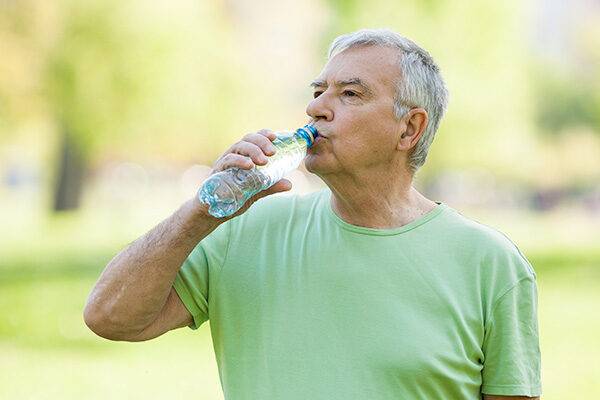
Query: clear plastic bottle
(226, 192)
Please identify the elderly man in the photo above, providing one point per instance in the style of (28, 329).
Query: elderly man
(363, 290)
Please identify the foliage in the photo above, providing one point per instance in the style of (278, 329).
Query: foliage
(565, 102)
(100, 70)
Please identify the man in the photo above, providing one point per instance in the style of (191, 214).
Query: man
(363, 290)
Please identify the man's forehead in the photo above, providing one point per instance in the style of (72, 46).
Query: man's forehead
(367, 66)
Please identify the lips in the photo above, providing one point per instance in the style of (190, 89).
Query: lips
(320, 134)
(318, 140)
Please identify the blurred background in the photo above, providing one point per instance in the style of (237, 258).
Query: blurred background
(112, 113)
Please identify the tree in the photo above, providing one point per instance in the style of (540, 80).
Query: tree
(98, 73)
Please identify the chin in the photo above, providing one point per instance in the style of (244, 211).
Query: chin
(311, 163)
(315, 163)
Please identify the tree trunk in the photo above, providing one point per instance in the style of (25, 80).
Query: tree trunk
(70, 174)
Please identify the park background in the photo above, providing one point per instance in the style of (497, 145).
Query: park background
(112, 112)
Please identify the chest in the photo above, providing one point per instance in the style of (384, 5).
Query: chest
(369, 305)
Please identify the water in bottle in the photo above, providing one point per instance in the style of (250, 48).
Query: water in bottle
(227, 191)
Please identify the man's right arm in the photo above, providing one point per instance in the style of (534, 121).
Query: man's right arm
(134, 299)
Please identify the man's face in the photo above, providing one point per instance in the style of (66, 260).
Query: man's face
(354, 111)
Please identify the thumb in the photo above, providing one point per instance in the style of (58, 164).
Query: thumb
(283, 185)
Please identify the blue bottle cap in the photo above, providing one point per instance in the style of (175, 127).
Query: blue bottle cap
(309, 133)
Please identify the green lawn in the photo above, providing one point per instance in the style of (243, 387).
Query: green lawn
(46, 352)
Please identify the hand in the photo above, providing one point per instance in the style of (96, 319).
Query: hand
(253, 149)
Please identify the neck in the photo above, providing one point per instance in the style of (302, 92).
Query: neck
(375, 199)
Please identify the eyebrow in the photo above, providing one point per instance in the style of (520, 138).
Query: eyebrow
(352, 81)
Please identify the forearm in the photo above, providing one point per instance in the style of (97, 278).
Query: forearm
(134, 286)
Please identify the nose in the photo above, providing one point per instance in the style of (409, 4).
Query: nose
(319, 109)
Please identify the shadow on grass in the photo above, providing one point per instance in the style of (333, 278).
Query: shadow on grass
(28, 268)
(557, 260)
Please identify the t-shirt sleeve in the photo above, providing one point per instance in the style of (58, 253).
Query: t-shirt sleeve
(201, 269)
(511, 350)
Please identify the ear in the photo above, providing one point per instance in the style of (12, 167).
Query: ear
(415, 122)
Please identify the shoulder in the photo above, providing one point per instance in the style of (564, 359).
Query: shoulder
(494, 248)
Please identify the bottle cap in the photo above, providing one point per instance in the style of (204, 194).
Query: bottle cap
(309, 133)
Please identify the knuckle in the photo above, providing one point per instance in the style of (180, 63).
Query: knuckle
(259, 136)
(267, 146)
(251, 150)
(256, 144)
(256, 151)
(268, 133)
(231, 159)
(261, 160)
(264, 144)
(240, 158)
(241, 148)
(239, 161)
(270, 149)
(263, 139)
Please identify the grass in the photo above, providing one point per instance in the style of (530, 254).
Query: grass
(48, 265)
(46, 351)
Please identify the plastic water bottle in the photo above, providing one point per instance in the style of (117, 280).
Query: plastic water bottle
(226, 192)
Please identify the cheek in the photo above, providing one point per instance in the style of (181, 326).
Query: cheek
(364, 138)
(352, 150)
(367, 149)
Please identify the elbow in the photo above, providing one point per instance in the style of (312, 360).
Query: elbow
(99, 322)
(96, 323)
(102, 324)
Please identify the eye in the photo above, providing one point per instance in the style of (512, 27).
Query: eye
(316, 94)
(349, 93)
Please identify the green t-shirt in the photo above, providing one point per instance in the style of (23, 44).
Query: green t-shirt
(303, 305)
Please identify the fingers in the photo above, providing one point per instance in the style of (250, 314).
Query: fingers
(250, 149)
(232, 160)
(282, 185)
(262, 139)
(253, 149)
(266, 133)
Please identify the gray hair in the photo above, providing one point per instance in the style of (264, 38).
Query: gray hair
(422, 84)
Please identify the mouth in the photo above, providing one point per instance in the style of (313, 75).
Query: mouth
(318, 140)
(320, 134)
(319, 131)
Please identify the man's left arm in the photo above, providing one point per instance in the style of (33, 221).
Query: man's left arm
(511, 366)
